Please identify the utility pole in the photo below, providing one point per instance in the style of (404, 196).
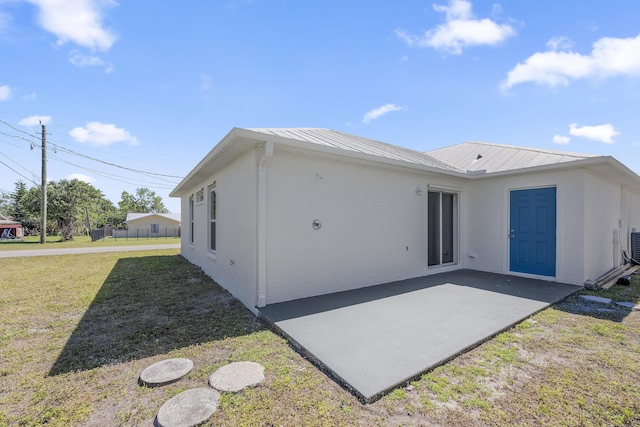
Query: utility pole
(43, 202)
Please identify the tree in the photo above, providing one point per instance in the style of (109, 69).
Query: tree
(74, 206)
(16, 205)
(30, 204)
(5, 203)
(143, 201)
(70, 203)
(12, 204)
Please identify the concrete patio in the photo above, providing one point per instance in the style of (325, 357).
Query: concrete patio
(373, 339)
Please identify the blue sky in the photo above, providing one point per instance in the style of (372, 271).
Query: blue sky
(153, 86)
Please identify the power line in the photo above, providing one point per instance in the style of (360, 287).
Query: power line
(113, 176)
(16, 129)
(34, 143)
(28, 179)
(9, 158)
(113, 164)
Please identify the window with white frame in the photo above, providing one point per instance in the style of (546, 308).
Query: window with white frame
(442, 211)
(191, 223)
(213, 217)
(200, 196)
(155, 228)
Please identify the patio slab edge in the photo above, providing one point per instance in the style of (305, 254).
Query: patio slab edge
(370, 398)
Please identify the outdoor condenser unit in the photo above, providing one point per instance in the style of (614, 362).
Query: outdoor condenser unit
(635, 246)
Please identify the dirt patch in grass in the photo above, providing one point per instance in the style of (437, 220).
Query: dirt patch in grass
(76, 331)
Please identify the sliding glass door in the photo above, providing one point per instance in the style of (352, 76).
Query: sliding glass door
(442, 211)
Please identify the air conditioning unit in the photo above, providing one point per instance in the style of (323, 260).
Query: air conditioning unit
(635, 247)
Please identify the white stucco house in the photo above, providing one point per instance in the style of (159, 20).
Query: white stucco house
(279, 214)
(150, 225)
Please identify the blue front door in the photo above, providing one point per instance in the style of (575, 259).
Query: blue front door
(533, 231)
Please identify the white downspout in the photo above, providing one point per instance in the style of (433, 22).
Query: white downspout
(262, 225)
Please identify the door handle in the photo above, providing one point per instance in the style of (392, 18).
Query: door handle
(511, 235)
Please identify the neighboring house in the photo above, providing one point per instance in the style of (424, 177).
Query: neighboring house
(10, 229)
(279, 214)
(143, 225)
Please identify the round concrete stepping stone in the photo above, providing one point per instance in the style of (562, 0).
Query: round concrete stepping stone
(236, 376)
(189, 408)
(165, 372)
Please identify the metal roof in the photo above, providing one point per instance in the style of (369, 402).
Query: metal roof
(131, 216)
(483, 156)
(344, 141)
(8, 221)
(470, 159)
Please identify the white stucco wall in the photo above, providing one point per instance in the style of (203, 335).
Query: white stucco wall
(486, 245)
(373, 225)
(611, 212)
(633, 222)
(234, 263)
(634, 211)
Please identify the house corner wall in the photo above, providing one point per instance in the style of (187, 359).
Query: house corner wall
(612, 211)
(633, 210)
(233, 265)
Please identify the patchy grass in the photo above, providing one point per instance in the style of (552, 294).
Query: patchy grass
(53, 242)
(76, 331)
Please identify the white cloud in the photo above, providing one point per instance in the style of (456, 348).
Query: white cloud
(560, 43)
(81, 61)
(81, 177)
(76, 21)
(609, 57)
(603, 133)
(5, 93)
(559, 139)
(460, 30)
(380, 111)
(97, 133)
(35, 120)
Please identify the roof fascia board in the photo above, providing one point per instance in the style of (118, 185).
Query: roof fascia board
(624, 170)
(150, 214)
(253, 138)
(237, 134)
(541, 168)
(216, 153)
(342, 153)
(582, 163)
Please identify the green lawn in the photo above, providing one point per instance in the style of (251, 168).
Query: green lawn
(33, 242)
(76, 331)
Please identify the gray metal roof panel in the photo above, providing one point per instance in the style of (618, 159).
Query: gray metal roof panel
(357, 144)
(132, 216)
(475, 156)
